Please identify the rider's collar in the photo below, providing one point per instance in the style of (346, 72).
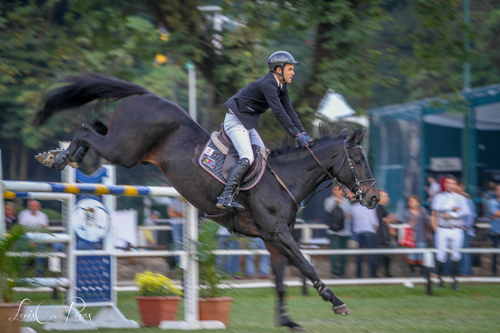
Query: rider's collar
(278, 81)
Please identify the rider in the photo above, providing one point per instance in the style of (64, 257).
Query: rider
(243, 115)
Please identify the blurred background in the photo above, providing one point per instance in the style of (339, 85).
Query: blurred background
(421, 76)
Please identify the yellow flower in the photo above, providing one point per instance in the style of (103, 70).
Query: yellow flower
(153, 284)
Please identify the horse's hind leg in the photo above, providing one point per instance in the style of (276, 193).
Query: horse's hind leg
(278, 266)
(82, 150)
(65, 157)
(284, 242)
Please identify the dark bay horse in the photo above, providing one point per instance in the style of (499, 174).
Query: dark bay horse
(149, 129)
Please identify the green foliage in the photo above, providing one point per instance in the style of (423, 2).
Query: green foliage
(210, 274)
(373, 52)
(41, 39)
(11, 266)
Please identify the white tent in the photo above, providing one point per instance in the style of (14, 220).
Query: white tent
(335, 108)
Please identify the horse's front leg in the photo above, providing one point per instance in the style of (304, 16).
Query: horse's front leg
(284, 242)
(278, 266)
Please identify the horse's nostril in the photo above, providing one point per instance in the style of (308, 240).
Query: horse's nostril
(375, 198)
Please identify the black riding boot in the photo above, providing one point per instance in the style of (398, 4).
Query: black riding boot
(226, 199)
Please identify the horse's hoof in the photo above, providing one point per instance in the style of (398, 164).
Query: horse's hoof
(61, 160)
(48, 158)
(341, 310)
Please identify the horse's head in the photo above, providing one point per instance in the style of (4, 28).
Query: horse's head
(353, 171)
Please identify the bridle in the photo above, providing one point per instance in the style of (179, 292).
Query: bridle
(359, 194)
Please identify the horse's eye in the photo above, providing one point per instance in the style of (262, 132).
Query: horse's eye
(357, 161)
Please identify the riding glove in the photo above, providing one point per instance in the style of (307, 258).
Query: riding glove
(307, 136)
(302, 139)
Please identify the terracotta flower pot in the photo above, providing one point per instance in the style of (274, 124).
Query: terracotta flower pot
(155, 309)
(10, 310)
(217, 308)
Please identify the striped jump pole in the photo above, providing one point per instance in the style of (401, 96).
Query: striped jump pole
(13, 189)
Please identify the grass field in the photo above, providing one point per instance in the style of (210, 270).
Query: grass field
(374, 309)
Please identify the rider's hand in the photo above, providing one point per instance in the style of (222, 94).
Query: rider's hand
(302, 139)
(307, 136)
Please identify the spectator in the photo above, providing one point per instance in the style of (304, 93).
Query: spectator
(383, 237)
(176, 212)
(469, 221)
(229, 264)
(264, 261)
(450, 208)
(433, 188)
(151, 235)
(10, 215)
(488, 194)
(418, 219)
(34, 218)
(365, 225)
(338, 239)
(494, 232)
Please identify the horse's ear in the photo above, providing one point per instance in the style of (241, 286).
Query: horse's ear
(360, 137)
(354, 136)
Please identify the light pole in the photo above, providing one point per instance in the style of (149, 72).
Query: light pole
(192, 89)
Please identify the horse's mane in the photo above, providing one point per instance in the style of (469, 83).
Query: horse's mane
(324, 134)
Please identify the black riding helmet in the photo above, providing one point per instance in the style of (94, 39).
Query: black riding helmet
(280, 59)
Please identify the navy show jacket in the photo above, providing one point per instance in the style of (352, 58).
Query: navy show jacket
(253, 100)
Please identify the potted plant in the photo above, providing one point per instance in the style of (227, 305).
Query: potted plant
(212, 305)
(10, 269)
(158, 298)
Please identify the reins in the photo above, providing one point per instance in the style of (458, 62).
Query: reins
(357, 197)
(282, 184)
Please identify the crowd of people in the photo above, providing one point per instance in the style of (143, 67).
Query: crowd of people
(447, 225)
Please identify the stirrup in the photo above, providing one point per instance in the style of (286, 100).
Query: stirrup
(228, 203)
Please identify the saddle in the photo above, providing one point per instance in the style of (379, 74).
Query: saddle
(220, 156)
(232, 157)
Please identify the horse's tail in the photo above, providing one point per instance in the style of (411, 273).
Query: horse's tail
(80, 90)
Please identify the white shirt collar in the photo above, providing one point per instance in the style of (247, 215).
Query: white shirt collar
(278, 81)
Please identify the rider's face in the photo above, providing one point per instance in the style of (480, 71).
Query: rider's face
(288, 73)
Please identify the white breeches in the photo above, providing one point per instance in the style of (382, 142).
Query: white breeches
(449, 239)
(242, 138)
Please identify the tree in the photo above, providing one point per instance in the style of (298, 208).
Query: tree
(43, 38)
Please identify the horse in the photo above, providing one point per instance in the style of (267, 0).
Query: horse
(146, 128)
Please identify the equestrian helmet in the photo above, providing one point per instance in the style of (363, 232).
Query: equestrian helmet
(280, 59)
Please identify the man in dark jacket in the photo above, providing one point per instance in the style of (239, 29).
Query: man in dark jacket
(243, 116)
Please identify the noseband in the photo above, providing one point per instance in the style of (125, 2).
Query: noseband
(359, 194)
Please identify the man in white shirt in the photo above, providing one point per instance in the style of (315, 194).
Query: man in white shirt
(33, 217)
(450, 208)
(365, 224)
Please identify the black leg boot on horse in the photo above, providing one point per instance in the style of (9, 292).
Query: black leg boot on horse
(226, 199)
